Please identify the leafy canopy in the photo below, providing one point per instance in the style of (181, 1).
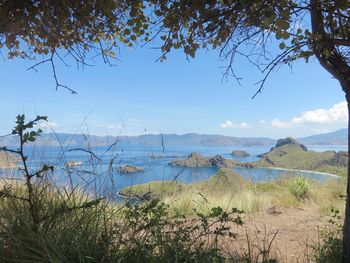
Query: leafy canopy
(249, 28)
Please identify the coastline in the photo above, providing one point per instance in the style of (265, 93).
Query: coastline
(298, 170)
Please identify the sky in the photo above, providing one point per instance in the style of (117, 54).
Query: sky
(140, 95)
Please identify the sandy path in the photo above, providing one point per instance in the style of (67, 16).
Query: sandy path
(291, 228)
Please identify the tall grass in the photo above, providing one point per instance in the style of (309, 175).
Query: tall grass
(45, 221)
(289, 191)
(192, 223)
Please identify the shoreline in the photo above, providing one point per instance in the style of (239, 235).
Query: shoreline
(298, 170)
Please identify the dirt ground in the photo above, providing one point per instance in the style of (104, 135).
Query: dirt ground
(289, 229)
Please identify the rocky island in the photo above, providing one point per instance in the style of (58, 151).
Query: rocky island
(289, 153)
(125, 169)
(197, 160)
(239, 153)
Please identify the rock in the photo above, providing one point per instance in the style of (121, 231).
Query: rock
(239, 153)
(197, 160)
(339, 159)
(247, 165)
(193, 160)
(283, 142)
(287, 141)
(130, 169)
(273, 211)
(218, 161)
(267, 159)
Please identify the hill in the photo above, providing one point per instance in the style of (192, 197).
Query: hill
(50, 139)
(289, 153)
(339, 137)
(149, 139)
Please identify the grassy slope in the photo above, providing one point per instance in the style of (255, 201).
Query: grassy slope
(228, 190)
(225, 180)
(293, 157)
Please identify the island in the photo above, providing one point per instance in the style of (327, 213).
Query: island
(197, 160)
(288, 153)
(239, 153)
(125, 169)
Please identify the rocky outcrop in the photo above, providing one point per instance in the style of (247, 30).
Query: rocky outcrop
(218, 161)
(8, 161)
(130, 169)
(340, 159)
(197, 160)
(239, 153)
(281, 143)
(289, 141)
(193, 160)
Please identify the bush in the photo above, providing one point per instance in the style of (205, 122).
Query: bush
(329, 249)
(298, 187)
(104, 233)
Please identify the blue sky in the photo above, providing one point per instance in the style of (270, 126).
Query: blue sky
(141, 95)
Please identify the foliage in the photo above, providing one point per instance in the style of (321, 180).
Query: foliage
(46, 28)
(299, 187)
(108, 233)
(329, 249)
(43, 222)
(32, 194)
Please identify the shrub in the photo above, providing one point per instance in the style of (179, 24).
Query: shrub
(329, 249)
(299, 187)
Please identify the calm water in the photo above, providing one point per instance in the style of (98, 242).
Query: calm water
(100, 172)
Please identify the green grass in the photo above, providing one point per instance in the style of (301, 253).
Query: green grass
(105, 232)
(228, 190)
(176, 229)
(293, 157)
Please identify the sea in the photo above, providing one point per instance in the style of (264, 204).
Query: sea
(97, 168)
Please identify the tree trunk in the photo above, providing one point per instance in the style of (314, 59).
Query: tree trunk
(346, 227)
(337, 65)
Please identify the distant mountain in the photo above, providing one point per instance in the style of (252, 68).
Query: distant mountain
(339, 137)
(149, 139)
(78, 140)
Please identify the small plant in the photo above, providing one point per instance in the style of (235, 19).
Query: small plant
(329, 248)
(25, 134)
(299, 187)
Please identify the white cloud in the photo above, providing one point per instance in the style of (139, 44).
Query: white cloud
(338, 113)
(244, 125)
(262, 122)
(276, 123)
(229, 125)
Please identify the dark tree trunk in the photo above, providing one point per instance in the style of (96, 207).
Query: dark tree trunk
(346, 227)
(336, 64)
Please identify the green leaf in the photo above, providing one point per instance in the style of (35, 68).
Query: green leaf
(282, 46)
(285, 35)
(279, 35)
